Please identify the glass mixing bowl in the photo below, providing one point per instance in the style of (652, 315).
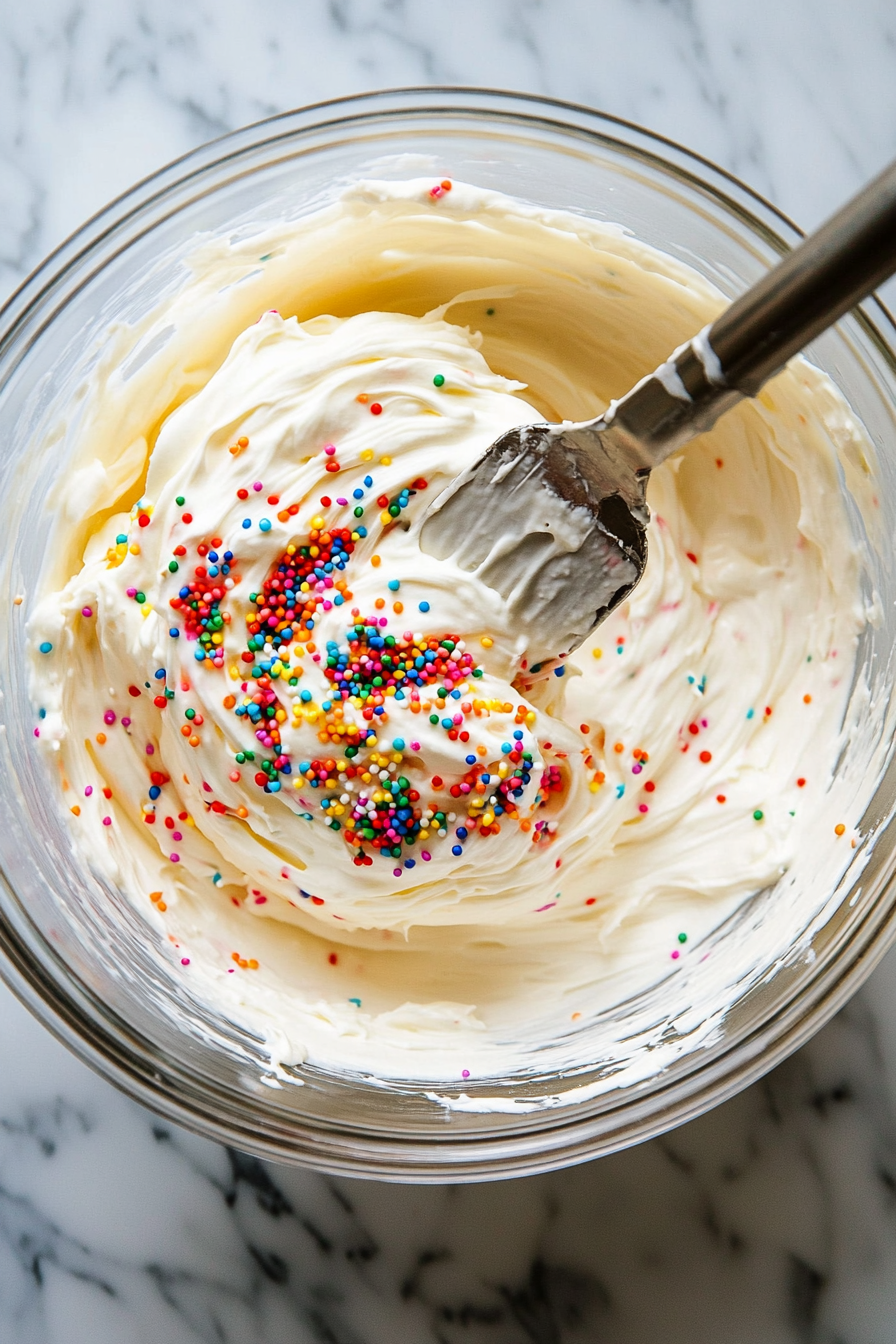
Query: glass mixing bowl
(76, 952)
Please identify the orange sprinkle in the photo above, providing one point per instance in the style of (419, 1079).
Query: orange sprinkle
(162, 906)
(446, 186)
(229, 701)
(575, 1017)
(584, 728)
(252, 964)
(101, 738)
(839, 828)
(155, 896)
(76, 810)
(242, 812)
(719, 462)
(194, 741)
(398, 608)
(619, 748)
(363, 398)
(807, 699)
(375, 561)
(185, 730)
(380, 603)
(706, 757)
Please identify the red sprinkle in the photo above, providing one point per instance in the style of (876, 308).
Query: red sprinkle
(375, 408)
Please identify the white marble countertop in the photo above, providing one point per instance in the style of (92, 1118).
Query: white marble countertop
(769, 1221)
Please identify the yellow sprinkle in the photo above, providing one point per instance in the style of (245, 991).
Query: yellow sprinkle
(486, 642)
(597, 653)
(234, 672)
(146, 609)
(317, 521)
(18, 601)
(385, 461)
(385, 518)
(594, 786)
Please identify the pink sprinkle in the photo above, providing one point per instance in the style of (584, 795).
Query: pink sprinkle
(176, 835)
(257, 485)
(37, 732)
(465, 1073)
(415, 746)
(261, 900)
(185, 961)
(88, 791)
(327, 605)
(330, 449)
(109, 716)
(383, 621)
(340, 500)
(426, 856)
(230, 970)
(636, 769)
(150, 749)
(86, 611)
(125, 722)
(642, 807)
(437, 191)
(396, 872)
(107, 821)
(175, 858)
(132, 592)
(675, 955)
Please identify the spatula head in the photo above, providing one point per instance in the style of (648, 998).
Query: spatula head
(553, 518)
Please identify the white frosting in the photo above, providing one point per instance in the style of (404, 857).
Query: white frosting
(677, 741)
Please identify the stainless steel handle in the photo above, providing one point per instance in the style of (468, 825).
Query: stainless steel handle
(814, 285)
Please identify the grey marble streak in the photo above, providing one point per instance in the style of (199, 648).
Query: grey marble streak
(770, 1221)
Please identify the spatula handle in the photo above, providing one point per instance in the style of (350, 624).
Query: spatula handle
(814, 285)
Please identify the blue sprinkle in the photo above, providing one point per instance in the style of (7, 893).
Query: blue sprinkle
(461, 832)
(361, 531)
(174, 632)
(446, 723)
(46, 647)
(154, 792)
(306, 696)
(559, 671)
(368, 481)
(357, 494)
(519, 734)
(160, 674)
(470, 760)
(620, 790)
(457, 850)
(356, 1002)
(691, 680)
(424, 606)
(199, 655)
(394, 585)
(217, 879)
(506, 748)
(41, 713)
(265, 524)
(338, 600)
(247, 522)
(398, 743)
(410, 863)
(750, 713)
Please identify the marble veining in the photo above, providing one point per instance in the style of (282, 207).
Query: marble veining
(770, 1221)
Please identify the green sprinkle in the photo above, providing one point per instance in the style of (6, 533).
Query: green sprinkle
(682, 937)
(489, 312)
(356, 1002)
(757, 815)
(439, 379)
(359, 512)
(173, 566)
(180, 501)
(140, 597)
(189, 713)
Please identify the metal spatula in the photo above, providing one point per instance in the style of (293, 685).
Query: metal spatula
(554, 517)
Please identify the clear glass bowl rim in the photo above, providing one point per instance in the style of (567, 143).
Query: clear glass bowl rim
(116, 1052)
